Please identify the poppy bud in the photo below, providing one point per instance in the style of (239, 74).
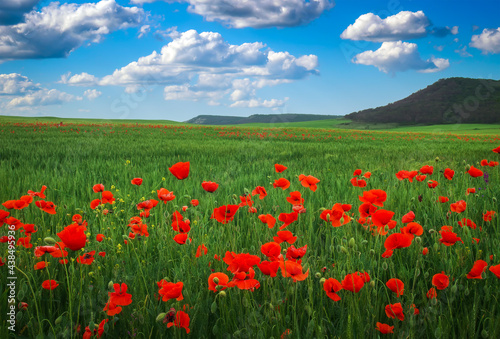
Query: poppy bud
(247, 192)
(343, 249)
(317, 275)
(213, 307)
(426, 275)
(466, 292)
(352, 242)
(222, 294)
(417, 272)
(418, 240)
(58, 320)
(484, 334)
(215, 280)
(437, 159)
(219, 287)
(385, 266)
(372, 284)
(436, 247)
(434, 301)
(454, 289)
(110, 285)
(49, 241)
(161, 316)
(372, 251)
(322, 280)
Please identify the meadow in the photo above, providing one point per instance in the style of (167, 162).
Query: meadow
(355, 233)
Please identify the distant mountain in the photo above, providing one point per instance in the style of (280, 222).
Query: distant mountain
(257, 118)
(452, 100)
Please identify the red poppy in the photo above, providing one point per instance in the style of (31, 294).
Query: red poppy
(470, 190)
(427, 169)
(486, 216)
(271, 250)
(222, 280)
(112, 309)
(395, 311)
(169, 290)
(396, 286)
(178, 223)
(496, 150)
(442, 199)
(287, 219)
(381, 217)
(38, 194)
(331, 286)
(135, 223)
(353, 282)
(46, 206)
(261, 191)
(432, 183)
(49, 284)
(180, 170)
(440, 281)
(73, 236)
(285, 236)
(3, 216)
(86, 259)
(458, 206)
(99, 237)
(431, 293)
(201, 250)
(107, 197)
(420, 178)
(413, 228)
(240, 262)
(281, 183)
(294, 254)
(337, 215)
(246, 200)
(366, 209)
(495, 270)
(484, 162)
(98, 188)
(120, 296)
(384, 328)
(425, 251)
(224, 214)
(295, 198)
(94, 203)
(181, 321)
(25, 242)
(195, 202)
(408, 217)
(415, 309)
(245, 281)
(294, 270)
(309, 182)
(449, 173)
(100, 329)
(165, 195)
(367, 175)
(269, 268)
(210, 186)
(467, 222)
(40, 265)
(448, 238)
(398, 240)
(356, 172)
(102, 254)
(478, 268)
(181, 238)
(279, 168)
(268, 219)
(401, 175)
(374, 197)
(136, 181)
(475, 172)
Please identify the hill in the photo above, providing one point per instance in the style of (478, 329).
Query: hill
(452, 100)
(257, 119)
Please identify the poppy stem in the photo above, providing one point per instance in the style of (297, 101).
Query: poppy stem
(34, 299)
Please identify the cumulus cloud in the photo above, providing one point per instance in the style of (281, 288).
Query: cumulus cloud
(196, 66)
(12, 11)
(273, 103)
(92, 94)
(17, 90)
(488, 41)
(256, 13)
(82, 79)
(58, 29)
(398, 56)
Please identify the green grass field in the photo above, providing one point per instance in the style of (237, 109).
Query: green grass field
(72, 158)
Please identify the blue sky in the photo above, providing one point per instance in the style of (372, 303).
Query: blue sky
(176, 59)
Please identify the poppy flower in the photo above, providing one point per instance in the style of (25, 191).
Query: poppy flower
(420, 178)
(94, 203)
(366, 209)
(181, 321)
(353, 282)
(287, 219)
(356, 173)
(98, 188)
(224, 214)
(425, 251)
(398, 240)
(102, 254)
(246, 200)
(86, 259)
(180, 170)
(240, 262)
(408, 217)
(195, 202)
(268, 219)
(431, 293)
(3, 216)
(222, 280)
(46, 206)
(486, 216)
(25, 242)
(181, 238)
(432, 183)
(337, 215)
(285, 236)
(449, 238)
(201, 250)
(413, 228)
(99, 237)
(112, 309)
(493, 163)
(261, 191)
(440, 281)
(396, 286)
(281, 183)
(458, 206)
(279, 168)
(395, 311)
(478, 268)
(495, 270)
(245, 281)
(470, 190)
(38, 194)
(467, 222)
(271, 249)
(295, 198)
(136, 181)
(120, 296)
(367, 175)
(415, 309)
(381, 217)
(442, 199)
(100, 328)
(331, 286)
(107, 197)
(169, 290)
(295, 254)
(40, 265)
(165, 195)
(73, 236)
(179, 224)
(374, 197)
(384, 328)
(496, 150)
(449, 173)
(401, 175)
(49, 284)
(484, 162)
(309, 182)
(209, 186)
(426, 169)
(475, 172)
(269, 268)
(293, 270)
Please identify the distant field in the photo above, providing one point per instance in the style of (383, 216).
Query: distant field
(5, 119)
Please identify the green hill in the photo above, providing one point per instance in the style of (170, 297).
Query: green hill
(452, 100)
(258, 119)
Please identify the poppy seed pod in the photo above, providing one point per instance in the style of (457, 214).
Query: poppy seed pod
(160, 316)
(49, 241)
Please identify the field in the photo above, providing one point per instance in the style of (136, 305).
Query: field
(357, 237)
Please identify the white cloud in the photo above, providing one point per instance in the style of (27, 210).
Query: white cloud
(273, 103)
(42, 97)
(12, 11)
(82, 79)
(256, 13)
(404, 25)
(488, 41)
(463, 52)
(144, 30)
(399, 56)
(58, 29)
(16, 84)
(92, 94)
(196, 66)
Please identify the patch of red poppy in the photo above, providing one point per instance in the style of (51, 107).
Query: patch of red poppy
(120, 296)
(440, 280)
(268, 219)
(287, 219)
(180, 170)
(181, 321)
(209, 186)
(475, 172)
(281, 183)
(448, 173)
(395, 311)
(285, 236)
(261, 191)
(279, 168)
(396, 286)
(477, 269)
(169, 290)
(309, 182)
(136, 181)
(331, 286)
(49, 284)
(224, 214)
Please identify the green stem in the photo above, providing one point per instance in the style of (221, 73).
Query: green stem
(34, 299)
